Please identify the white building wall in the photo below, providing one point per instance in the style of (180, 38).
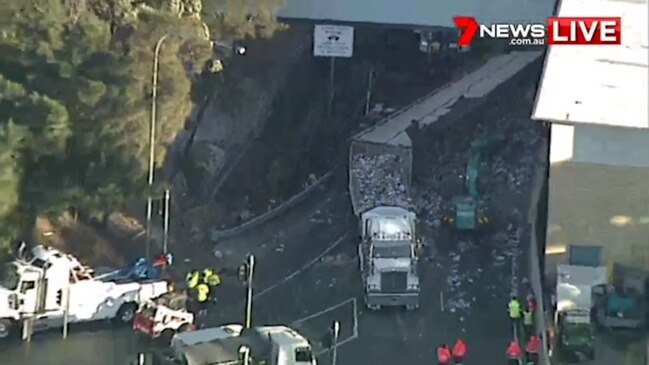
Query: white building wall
(599, 192)
(598, 144)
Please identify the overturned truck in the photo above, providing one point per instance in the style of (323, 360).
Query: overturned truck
(379, 187)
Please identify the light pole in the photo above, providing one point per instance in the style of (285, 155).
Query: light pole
(152, 134)
(239, 50)
(250, 265)
(334, 349)
(165, 244)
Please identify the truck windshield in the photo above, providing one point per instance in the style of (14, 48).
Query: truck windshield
(9, 277)
(391, 251)
(303, 354)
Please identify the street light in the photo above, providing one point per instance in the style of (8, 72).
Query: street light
(246, 271)
(152, 134)
(238, 49)
(334, 350)
(165, 244)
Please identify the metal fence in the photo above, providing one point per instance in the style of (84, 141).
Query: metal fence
(229, 232)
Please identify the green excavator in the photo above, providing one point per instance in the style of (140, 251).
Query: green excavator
(469, 209)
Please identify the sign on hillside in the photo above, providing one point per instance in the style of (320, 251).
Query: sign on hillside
(333, 41)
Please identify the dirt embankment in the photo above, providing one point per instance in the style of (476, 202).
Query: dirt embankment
(274, 102)
(300, 141)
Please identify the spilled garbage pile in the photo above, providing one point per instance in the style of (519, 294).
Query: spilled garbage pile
(380, 181)
(487, 264)
(515, 165)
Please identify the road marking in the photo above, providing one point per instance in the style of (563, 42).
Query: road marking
(302, 269)
(324, 351)
(329, 309)
(441, 301)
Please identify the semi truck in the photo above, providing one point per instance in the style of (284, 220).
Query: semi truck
(380, 191)
(48, 288)
(269, 345)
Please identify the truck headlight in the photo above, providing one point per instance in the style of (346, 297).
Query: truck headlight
(413, 287)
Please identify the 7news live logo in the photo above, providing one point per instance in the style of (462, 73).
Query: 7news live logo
(557, 31)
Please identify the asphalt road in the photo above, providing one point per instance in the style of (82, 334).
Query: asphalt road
(282, 246)
(307, 276)
(306, 265)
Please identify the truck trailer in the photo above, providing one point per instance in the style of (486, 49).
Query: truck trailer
(380, 188)
(48, 288)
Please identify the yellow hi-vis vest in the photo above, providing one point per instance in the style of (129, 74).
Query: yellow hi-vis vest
(203, 292)
(210, 277)
(528, 318)
(514, 309)
(192, 279)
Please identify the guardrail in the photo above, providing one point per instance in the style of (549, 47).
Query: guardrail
(220, 234)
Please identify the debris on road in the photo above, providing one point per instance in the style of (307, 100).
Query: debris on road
(458, 298)
(487, 265)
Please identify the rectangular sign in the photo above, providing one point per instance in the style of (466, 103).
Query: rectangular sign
(557, 31)
(585, 30)
(333, 41)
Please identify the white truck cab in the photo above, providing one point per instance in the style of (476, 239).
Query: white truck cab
(49, 285)
(387, 258)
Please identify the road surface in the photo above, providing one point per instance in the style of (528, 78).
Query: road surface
(100, 344)
(307, 276)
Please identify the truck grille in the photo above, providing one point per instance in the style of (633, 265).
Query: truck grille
(394, 282)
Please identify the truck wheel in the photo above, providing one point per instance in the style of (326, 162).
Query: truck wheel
(6, 328)
(166, 336)
(126, 313)
(374, 307)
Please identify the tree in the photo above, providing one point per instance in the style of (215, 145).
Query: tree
(83, 103)
(11, 136)
(75, 95)
(240, 19)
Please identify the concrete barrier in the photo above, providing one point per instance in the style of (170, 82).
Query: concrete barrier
(256, 221)
(535, 274)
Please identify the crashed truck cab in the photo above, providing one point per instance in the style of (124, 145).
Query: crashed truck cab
(388, 262)
(49, 286)
(23, 286)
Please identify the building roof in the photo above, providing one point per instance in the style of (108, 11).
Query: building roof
(430, 108)
(417, 12)
(604, 85)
